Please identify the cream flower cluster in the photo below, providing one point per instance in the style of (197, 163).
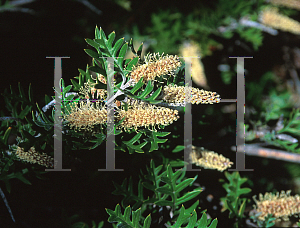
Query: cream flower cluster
(85, 116)
(176, 94)
(34, 157)
(209, 159)
(155, 66)
(293, 4)
(198, 75)
(270, 17)
(145, 115)
(281, 206)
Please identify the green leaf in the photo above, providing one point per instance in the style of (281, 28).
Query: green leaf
(178, 148)
(242, 208)
(24, 112)
(137, 86)
(111, 38)
(182, 185)
(165, 190)
(139, 51)
(203, 221)
(163, 203)
(132, 63)
(6, 135)
(92, 53)
(122, 54)
(188, 196)
(117, 46)
(97, 70)
(214, 223)
(75, 84)
(93, 43)
(147, 222)
(147, 90)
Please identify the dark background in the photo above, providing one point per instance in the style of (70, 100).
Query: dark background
(58, 28)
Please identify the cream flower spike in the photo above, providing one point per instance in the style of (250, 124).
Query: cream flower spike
(279, 205)
(155, 65)
(176, 95)
(209, 159)
(270, 17)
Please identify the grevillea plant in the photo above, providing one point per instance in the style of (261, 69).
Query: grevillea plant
(146, 95)
(165, 205)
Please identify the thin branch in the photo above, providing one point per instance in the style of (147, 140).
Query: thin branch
(90, 6)
(247, 23)
(7, 206)
(257, 150)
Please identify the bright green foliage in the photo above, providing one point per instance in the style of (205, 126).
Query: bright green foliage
(169, 192)
(268, 222)
(24, 129)
(192, 220)
(125, 221)
(232, 201)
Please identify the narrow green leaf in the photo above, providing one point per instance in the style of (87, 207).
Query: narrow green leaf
(165, 190)
(203, 221)
(134, 139)
(111, 38)
(192, 221)
(147, 222)
(97, 70)
(244, 191)
(66, 90)
(188, 196)
(242, 208)
(132, 63)
(122, 54)
(117, 46)
(214, 223)
(30, 93)
(93, 43)
(164, 203)
(22, 94)
(24, 112)
(155, 94)
(92, 53)
(178, 148)
(147, 90)
(137, 86)
(75, 84)
(182, 185)
(6, 135)
(139, 51)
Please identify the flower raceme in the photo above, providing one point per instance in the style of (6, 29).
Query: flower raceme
(293, 4)
(145, 115)
(279, 205)
(34, 157)
(85, 116)
(191, 49)
(270, 17)
(209, 159)
(176, 94)
(155, 66)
